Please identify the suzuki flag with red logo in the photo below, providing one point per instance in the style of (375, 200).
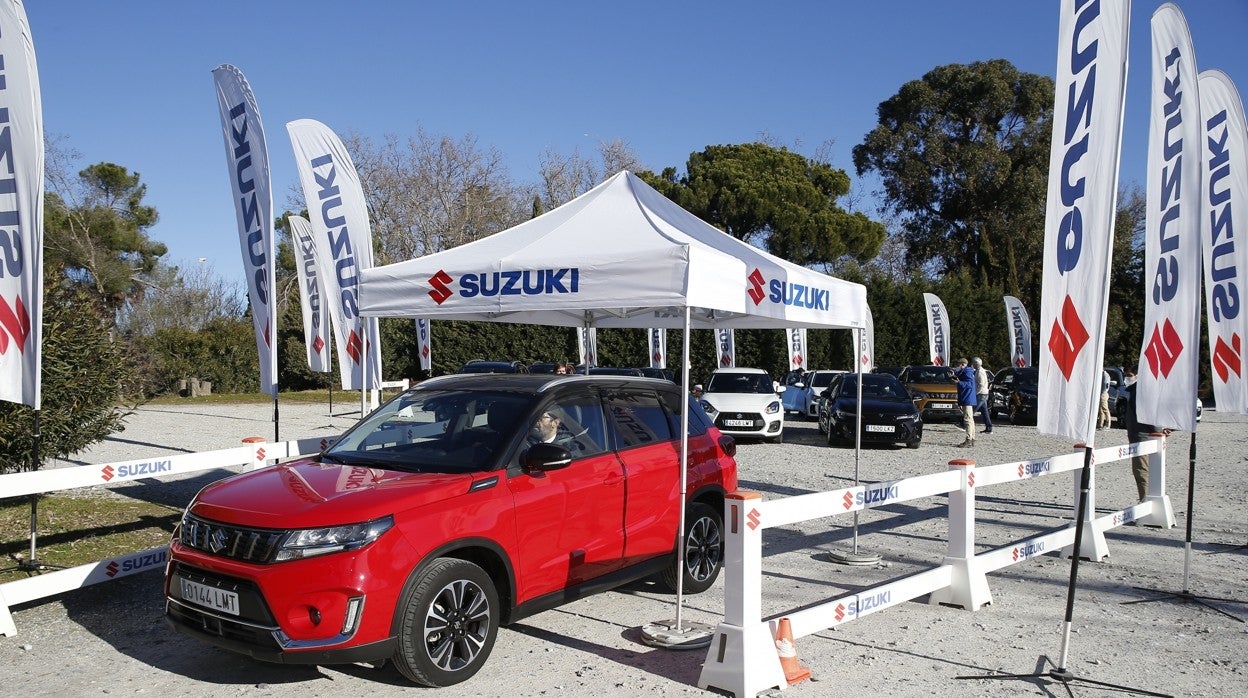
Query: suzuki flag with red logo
(725, 347)
(1079, 215)
(1170, 358)
(937, 329)
(1018, 324)
(587, 346)
(658, 347)
(339, 218)
(1224, 175)
(21, 212)
(312, 300)
(797, 348)
(247, 160)
(424, 347)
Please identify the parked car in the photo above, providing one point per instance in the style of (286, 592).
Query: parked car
(934, 390)
(660, 373)
(1014, 393)
(443, 514)
(479, 366)
(802, 397)
(744, 402)
(543, 367)
(888, 413)
(613, 371)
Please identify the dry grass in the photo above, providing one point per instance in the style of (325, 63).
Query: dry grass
(76, 530)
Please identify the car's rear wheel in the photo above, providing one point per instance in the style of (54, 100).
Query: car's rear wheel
(449, 621)
(704, 550)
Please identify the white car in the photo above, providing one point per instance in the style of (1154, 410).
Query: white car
(745, 402)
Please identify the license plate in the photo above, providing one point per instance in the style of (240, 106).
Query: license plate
(881, 428)
(941, 405)
(738, 422)
(211, 597)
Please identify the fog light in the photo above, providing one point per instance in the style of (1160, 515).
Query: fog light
(355, 607)
(314, 615)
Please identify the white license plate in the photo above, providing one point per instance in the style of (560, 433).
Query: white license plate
(211, 597)
(738, 422)
(881, 428)
(941, 405)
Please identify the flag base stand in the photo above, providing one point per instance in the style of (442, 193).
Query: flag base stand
(1068, 679)
(31, 566)
(855, 559)
(1186, 596)
(687, 635)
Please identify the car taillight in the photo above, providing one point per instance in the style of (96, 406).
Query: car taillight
(729, 445)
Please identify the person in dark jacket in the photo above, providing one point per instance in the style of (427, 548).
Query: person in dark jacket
(966, 399)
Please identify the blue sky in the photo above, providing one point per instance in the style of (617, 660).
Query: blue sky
(130, 82)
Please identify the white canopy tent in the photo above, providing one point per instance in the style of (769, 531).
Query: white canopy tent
(620, 255)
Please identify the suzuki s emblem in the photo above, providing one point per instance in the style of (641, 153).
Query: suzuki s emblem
(216, 541)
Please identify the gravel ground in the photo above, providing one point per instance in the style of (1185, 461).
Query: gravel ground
(111, 639)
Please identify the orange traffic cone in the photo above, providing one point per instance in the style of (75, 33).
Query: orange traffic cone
(787, 649)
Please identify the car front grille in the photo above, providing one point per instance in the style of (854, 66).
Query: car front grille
(257, 545)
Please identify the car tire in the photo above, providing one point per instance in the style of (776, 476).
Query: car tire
(704, 550)
(914, 444)
(779, 438)
(449, 619)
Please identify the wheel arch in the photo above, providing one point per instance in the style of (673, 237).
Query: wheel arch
(482, 552)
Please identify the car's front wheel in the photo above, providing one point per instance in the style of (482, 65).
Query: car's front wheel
(704, 550)
(449, 621)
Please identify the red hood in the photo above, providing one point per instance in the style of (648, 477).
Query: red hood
(305, 494)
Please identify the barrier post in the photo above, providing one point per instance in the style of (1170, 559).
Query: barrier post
(1092, 546)
(1162, 513)
(742, 657)
(969, 587)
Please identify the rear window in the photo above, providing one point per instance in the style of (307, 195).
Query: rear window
(638, 419)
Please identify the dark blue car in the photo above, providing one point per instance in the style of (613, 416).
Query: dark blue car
(888, 413)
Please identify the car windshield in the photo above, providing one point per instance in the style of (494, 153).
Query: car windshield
(739, 383)
(442, 431)
(930, 374)
(874, 385)
(1027, 379)
(822, 379)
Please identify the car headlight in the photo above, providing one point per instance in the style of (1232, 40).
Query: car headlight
(907, 417)
(773, 407)
(844, 415)
(708, 407)
(310, 542)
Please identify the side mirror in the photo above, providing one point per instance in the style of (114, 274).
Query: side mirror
(542, 457)
(777, 387)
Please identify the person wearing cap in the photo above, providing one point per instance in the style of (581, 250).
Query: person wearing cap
(981, 393)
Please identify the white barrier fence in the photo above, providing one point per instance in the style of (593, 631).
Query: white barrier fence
(742, 658)
(255, 454)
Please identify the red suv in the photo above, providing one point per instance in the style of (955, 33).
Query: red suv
(466, 502)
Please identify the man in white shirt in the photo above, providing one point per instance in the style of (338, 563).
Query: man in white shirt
(981, 393)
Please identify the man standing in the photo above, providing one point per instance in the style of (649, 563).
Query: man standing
(1135, 434)
(981, 393)
(966, 400)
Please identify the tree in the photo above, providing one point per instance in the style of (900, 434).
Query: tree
(95, 228)
(564, 178)
(963, 156)
(86, 375)
(429, 194)
(775, 199)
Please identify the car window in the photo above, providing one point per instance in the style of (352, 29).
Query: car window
(748, 383)
(578, 425)
(822, 379)
(638, 419)
(699, 422)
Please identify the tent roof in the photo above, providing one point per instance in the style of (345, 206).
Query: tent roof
(620, 255)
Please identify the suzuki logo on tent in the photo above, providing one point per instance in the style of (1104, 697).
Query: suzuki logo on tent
(1164, 347)
(757, 282)
(511, 282)
(1067, 338)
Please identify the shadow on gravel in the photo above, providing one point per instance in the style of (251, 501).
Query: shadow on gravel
(681, 667)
